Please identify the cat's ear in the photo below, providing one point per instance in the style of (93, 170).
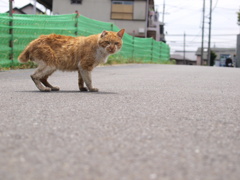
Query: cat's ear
(104, 33)
(120, 33)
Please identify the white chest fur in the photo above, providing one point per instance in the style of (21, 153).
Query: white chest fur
(101, 56)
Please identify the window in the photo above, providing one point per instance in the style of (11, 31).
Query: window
(76, 1)
(122, 10)
(128, 10)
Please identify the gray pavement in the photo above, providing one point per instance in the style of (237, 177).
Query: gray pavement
(160, 122)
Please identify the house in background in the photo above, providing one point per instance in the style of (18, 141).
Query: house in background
(138, 17)
(155, 28)
(27, 9)
(46, 3)
(184, 58)
(222, 54)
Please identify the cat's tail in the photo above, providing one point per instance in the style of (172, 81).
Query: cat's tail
(24, 56)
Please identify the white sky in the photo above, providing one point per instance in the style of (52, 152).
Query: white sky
(186, 16)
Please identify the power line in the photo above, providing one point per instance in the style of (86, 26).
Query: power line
(215, 6)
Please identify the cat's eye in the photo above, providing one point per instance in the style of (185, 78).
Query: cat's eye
(107, 42)
(116, 43)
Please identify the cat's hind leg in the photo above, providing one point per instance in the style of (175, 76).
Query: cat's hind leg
(40, 77)
(45, 82)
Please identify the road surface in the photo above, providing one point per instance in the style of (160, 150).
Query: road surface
(162, 122)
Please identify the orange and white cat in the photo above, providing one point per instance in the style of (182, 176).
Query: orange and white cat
(57, 52)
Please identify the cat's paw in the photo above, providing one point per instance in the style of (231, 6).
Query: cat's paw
(55, 88)
(94, 90)
(83, 89)
(46, 89)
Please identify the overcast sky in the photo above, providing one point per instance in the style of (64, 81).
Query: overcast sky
(186, 16)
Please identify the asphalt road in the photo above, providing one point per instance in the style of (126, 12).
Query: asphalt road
(160, 122)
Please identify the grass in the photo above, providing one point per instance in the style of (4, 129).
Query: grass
(119, 60)
(27, 65)
(111, 61)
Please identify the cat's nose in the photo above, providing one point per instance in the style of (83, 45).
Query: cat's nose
(111, 49)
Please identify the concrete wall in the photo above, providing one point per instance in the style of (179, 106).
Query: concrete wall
(132, 27)
(101, 10)
(139, 10)
(91, 8)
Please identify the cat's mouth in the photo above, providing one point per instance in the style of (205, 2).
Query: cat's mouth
(111, 51)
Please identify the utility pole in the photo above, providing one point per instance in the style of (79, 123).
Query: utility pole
(147, 11)
(163, 11)
(238, 51)
(209, 34)
(203, 22)
(10, 8)
(184, 48)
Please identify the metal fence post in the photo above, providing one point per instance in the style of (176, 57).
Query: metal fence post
(11, 31)
(132, 47)
(111, 27)
(152, 50)
(76, 22)
(160, 50)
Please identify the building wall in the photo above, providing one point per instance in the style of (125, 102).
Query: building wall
(229, 52)
(199, 60)
(17, 11)
(30, 10)
(139, 10)
(101, 10)
(219, 52)
(91, 8)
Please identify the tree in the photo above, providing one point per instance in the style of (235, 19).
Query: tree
(213, 57)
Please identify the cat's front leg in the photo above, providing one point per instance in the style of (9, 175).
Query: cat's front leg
(81, 82)
(87, 78)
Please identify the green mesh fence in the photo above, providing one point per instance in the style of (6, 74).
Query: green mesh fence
(17, 31)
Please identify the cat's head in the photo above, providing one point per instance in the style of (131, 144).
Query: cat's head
(111, 41)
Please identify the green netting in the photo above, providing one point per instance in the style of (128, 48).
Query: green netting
(26, 28)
